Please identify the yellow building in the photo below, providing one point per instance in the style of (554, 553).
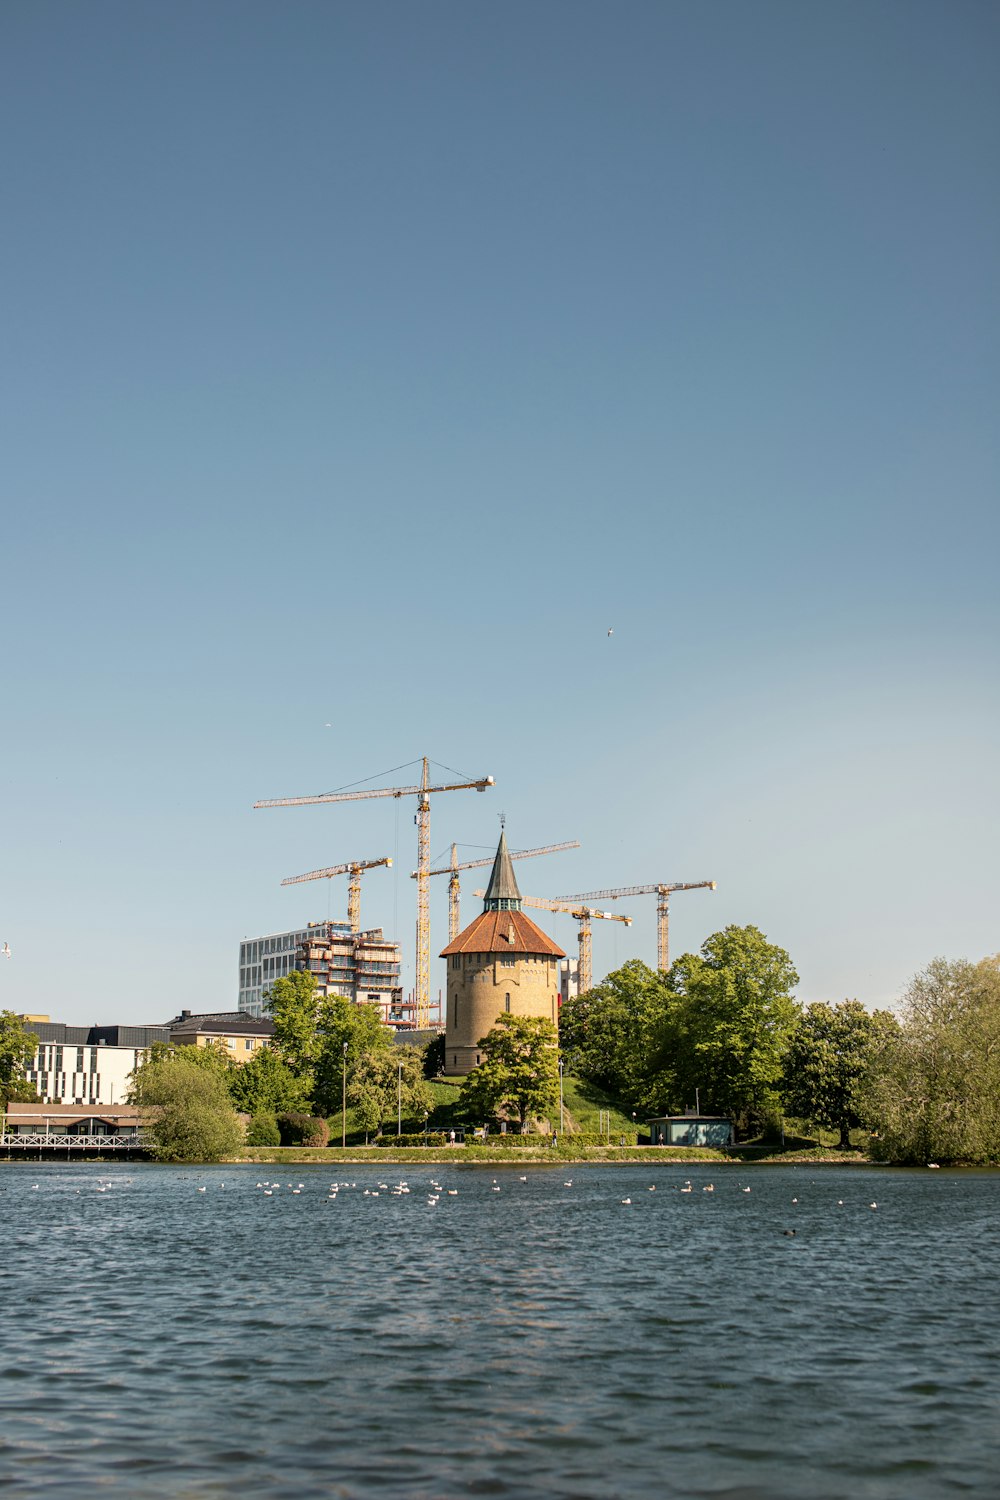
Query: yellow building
(501, 964)
(240, 1034)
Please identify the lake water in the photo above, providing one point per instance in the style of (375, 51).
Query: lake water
(537, 1341)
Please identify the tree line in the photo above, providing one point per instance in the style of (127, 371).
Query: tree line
(722, 1030)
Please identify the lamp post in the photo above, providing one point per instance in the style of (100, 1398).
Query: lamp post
(343, 1102)
(425, 1130)
(562, 1128)
(399, 1097)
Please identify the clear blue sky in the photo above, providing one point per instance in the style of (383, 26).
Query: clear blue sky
(364, 363)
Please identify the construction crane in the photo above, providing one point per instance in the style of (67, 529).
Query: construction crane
(662, 893)
(423, 792)
(354, 870)
(454, 891)
(584, 915)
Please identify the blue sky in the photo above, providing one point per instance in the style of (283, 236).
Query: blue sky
(364, 363)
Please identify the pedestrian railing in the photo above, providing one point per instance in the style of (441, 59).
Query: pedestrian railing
(42, 1138)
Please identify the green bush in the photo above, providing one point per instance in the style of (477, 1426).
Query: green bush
(432, 1138)
(263, 1130)
(600, 1138)
(515, 1142)
(297, 1129)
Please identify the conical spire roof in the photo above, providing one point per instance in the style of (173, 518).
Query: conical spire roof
(502, 893)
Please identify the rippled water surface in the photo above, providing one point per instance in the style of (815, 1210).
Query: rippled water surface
(545, 1339)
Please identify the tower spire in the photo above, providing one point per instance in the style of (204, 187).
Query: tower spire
(502, 893)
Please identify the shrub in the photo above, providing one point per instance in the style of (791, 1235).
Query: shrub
(433, 1138)
(189, 1115)
(296, 1129)
(516, 1142)
(263, 1131)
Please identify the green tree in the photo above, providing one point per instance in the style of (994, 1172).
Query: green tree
(609, 1035)
(293, 1003)
(265, 1085)
(729, 1023)
(385, 1082)
(342, 1023)
(213, 1055)
(311, 1030)
(17, 1047)
(189, 1114)
(933, 1091)
(831, 1050)
(519, 1070)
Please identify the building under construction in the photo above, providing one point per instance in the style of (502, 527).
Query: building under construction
(363, 966)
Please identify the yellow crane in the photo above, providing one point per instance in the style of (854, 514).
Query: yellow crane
(454, 890)
(583, 915)
(662, 893)
(354, 871)
(423, 791)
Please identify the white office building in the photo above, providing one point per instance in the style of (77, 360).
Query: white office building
(265, 959)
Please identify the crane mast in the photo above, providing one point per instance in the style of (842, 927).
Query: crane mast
(453, 869)
(423, 791)
(584, 916)
(353, 871)
(423, 970)
(662, 893)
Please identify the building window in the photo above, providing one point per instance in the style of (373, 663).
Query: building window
(506, 963)
(506, 1003)
(456, 961)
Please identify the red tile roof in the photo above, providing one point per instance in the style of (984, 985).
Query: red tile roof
(503, 932)
(37, 1114)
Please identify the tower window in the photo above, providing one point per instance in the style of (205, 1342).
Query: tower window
(506, 1003)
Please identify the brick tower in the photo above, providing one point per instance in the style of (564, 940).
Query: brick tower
(501, 964)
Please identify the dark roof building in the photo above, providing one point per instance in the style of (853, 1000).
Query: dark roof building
(240, 1032)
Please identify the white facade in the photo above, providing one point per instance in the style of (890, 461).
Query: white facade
(77, 1073)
